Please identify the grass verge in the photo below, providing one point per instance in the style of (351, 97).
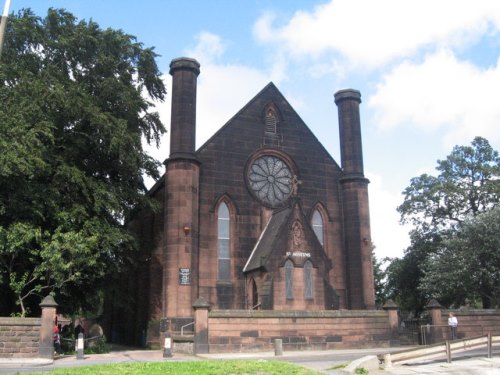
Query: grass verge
(209, 367)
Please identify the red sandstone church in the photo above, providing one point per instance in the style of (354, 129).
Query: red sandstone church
(259, 217)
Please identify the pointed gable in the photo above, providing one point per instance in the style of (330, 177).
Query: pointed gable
(287, 235)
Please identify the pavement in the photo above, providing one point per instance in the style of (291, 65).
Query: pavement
(334, 362)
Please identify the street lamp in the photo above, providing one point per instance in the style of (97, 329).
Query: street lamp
(3, 23)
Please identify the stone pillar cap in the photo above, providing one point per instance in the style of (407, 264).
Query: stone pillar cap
(185, 63)
(347, 94)
(48, 301)
(200, 303)
(433, 304)
(390, 305)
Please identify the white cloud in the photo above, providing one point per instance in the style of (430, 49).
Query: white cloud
(440, 93)
(389, 237)
(371, 33)
(209, 47)
(223, 89)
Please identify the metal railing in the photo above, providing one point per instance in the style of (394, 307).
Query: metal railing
(442, 349)
(433, 333)
(185, 326)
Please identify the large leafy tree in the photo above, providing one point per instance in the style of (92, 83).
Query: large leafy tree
(466, 268)
(77, 102)
(404, 274)
(468, 184)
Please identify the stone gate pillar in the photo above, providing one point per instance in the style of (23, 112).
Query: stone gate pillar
(201, 308)
(46, 349)
(392, 311)
(436, 333)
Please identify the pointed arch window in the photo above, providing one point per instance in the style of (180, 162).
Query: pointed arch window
(308, 280)
(289, 279)
(223, 242)
(318, 226)
(270, 122)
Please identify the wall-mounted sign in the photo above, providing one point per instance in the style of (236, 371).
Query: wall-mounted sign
(184, 276)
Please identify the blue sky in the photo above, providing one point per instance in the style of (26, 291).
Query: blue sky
(428, 72)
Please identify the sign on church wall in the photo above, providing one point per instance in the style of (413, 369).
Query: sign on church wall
(184, 276)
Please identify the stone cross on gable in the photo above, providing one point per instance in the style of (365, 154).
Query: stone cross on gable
(295, 185)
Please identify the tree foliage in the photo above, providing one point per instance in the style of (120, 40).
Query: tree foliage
(443, 209)
(467, 185)
(466, 269)
(379, 280)
(77, 101)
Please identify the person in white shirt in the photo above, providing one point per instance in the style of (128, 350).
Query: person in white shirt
(453, 323)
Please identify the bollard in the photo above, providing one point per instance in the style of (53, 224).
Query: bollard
(79, 346)
(167, 346)
(387, 360)
(278, 347)
(448, 352)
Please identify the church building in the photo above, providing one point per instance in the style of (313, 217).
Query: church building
(259, 217)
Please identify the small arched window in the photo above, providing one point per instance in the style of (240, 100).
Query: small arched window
(223, 242)
(270, 122)
(289, 279)
(308, 280)
(318, 227)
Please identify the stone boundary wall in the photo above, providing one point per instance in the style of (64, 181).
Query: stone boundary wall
(247, 330)
(19, 337)
(474, 322)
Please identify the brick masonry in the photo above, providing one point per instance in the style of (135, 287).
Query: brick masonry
(245, 331)
(19, 337)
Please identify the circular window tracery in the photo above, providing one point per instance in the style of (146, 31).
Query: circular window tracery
(270, 179)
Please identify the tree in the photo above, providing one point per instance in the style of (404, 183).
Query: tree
(404, 274)
(379, 280)
(77, 101)
(467, 267)
(468, 185)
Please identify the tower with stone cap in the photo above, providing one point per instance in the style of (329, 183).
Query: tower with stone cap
(354, 186)
(180, 255)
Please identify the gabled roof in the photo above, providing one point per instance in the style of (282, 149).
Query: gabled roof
(275, 91)
(276, 238)
(268, 240)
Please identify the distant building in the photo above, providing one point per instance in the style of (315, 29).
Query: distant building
(259, 217)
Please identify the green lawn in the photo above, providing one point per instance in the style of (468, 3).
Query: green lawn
(210, 367)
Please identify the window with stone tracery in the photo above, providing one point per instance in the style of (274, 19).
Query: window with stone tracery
(223, 242)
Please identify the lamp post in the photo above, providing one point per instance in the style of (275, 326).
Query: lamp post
(3, 23)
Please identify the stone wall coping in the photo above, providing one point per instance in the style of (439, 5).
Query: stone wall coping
(474, 312)
(296, 314)
(4, 321)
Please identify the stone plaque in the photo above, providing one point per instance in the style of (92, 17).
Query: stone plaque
(184, 276)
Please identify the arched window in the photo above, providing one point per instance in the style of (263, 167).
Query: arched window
(317, 225)
(308, 280)
(270, 122)
(289, 279)
(223, 242)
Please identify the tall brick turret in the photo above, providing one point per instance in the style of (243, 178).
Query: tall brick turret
(358, 246)
(180, 256)
(184, 73)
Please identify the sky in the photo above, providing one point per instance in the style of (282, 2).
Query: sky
(428, 72)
